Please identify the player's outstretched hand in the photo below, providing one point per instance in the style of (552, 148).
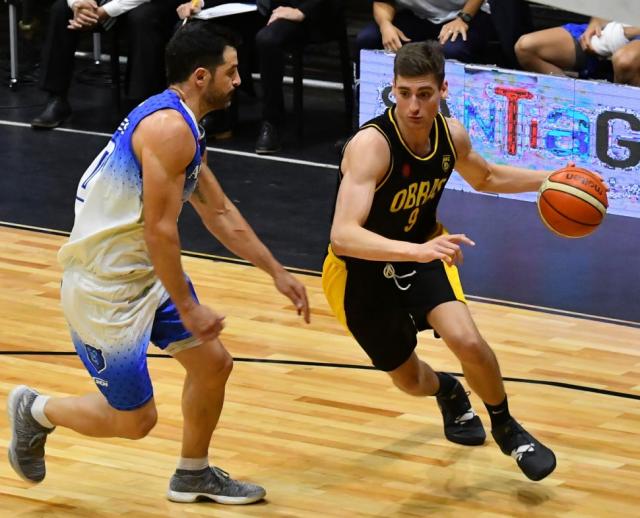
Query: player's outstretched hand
(288, 285)
(204, 323)
(445, 248)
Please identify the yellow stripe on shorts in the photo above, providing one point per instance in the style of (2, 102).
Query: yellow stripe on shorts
(334, 282)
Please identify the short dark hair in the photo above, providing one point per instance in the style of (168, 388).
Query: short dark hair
(419, 59)
(196, 44)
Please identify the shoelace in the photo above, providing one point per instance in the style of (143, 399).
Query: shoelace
(37, 441)
(390, 273)
(460, 405)
(220, 472)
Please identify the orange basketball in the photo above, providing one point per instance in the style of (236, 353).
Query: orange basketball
(572, 202)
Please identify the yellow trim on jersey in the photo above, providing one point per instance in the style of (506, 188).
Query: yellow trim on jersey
(434, 147)
(448, 133)
(334, 283)
(387, 175)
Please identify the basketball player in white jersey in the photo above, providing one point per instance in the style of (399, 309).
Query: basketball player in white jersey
(124, 286)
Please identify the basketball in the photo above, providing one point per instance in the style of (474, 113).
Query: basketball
(572, 202)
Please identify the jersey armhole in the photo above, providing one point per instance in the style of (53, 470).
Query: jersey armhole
(388, 173)
(449, 138)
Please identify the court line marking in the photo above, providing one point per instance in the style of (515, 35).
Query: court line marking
(315, 273)
(219, 150)
(305, 363)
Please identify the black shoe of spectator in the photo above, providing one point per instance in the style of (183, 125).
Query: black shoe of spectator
(268, 139)
(54, 113)
(534, 459)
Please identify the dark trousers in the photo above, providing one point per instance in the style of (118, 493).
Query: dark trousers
(470, 51)
(512, 19)
(147, 28)
(272, 43)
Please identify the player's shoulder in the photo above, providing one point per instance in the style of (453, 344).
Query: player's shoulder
(166, 122)
(369, 139)
(459, 135)
(166, 134)
(367, 154)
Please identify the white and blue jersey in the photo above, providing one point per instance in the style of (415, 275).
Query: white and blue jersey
(111, 296)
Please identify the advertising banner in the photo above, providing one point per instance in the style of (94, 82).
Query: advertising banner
(532, 120)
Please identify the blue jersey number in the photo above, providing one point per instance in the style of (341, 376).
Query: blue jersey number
(94, 169)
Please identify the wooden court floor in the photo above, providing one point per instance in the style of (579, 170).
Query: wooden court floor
(324, 437)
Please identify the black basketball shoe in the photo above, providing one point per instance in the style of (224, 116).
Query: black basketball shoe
(461, 424)
(534, 459)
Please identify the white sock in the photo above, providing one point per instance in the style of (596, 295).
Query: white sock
(37, 411)
(193, 464)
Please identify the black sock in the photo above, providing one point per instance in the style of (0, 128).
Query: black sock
(499, 414)
(447, 382)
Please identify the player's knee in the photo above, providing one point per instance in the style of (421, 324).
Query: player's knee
(471, 349)
(140, 423)
(217, 371)
(225, 367)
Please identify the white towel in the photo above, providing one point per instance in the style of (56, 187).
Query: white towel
(611, 39)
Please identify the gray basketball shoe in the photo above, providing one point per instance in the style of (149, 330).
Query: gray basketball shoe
(26, 450)
(214, 484)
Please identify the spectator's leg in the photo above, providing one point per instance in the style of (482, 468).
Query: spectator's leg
(472, 50)
(551, 51)
(148, 28)
(271, 44)
(369, 37)
(58, 51)
(626, 64)
(414, 28)
(57, 66)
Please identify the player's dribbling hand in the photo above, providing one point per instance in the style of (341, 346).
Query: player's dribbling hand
(288, 285)
(445, 248)
(203, 323)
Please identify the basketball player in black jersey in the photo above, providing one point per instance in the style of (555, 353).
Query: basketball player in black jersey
(391, 268)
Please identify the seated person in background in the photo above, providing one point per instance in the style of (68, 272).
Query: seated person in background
(148, 26)
(582, 48)
(462, 27)
(287, 23)
(218, 124)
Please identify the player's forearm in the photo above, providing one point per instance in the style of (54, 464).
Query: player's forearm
(163, 244)
(355, 241)
(507, 179)
(237, 236)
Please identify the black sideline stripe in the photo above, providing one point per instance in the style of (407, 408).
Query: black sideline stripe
(483, 300)
(559, 384)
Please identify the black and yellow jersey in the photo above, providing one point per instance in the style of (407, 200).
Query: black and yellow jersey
(405, 201)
